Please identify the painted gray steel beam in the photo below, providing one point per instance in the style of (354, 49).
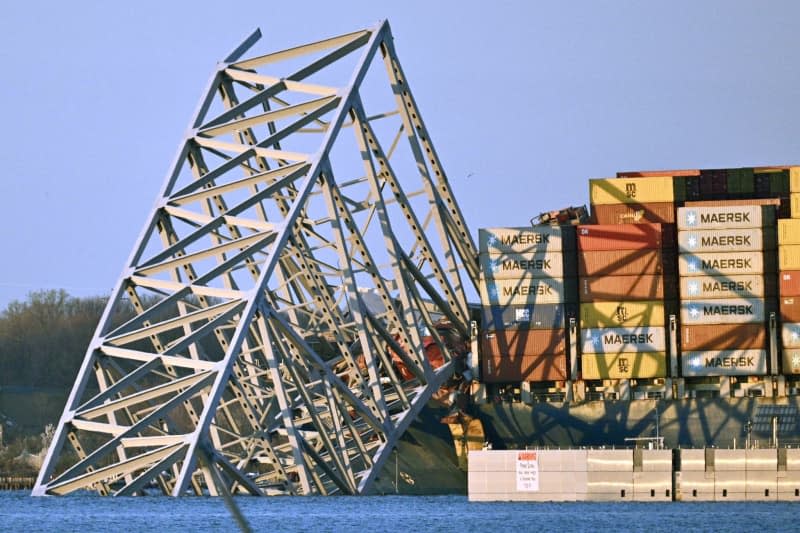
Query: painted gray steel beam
(269, 332)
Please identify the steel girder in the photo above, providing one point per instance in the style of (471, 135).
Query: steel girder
(269, 332)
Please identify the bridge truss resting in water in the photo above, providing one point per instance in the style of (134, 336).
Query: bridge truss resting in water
(275, 328)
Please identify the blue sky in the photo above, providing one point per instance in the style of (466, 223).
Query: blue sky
(525, 101)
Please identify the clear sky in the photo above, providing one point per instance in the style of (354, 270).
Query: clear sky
(525, 101)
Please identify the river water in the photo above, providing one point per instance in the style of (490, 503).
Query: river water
(20, 512)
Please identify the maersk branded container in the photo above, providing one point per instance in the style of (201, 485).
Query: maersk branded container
(723, 337)
(726, 263)
(724, 363)
(621, 340)
(724, 311)
(789, 283)
(727, 217)
(535, 265)
(626, 262)
(736, 286)
(726, 240)
(631, 190)
(623, 314)
(615, 288)
(633, 365)
(546, 367)
(530, 239)
(524, 291)
(625, 236)
(790, 334)
(790, 362)
(538, 316)
(789, 257)
(788, 231)
(790, 309)
(636, 213)
(518, 342)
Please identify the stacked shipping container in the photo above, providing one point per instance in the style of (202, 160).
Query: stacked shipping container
(725, 288)
(626, 274)
(528, 291)
(789, 278)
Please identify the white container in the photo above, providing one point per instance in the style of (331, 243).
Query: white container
(714, 287)
(722, 264)
(723, 311)
(724, 363)
(621, 340)
(725, 217)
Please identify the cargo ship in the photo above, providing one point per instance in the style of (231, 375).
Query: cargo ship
(670, 309)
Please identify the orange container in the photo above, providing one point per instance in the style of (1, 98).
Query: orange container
(790, 308)
(547, 367)
(724, 337)
(518, 342)
(625, 236)
(614, 288)
(626, 262)
(660, 212)
(789, 282)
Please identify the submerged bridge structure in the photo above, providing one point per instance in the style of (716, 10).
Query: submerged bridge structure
(296, 296)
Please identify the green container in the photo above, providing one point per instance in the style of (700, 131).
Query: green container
(779, 182)
(741, 182)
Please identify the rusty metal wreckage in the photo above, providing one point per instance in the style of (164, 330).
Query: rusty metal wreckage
(274, 347)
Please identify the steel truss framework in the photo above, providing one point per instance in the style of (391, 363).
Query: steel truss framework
(268, 334)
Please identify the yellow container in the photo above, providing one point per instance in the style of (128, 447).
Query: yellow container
(631, 365)
(789, 257)
(794, 179)
(794, 199)
(631, 190)
(622, 314)
(788, 231)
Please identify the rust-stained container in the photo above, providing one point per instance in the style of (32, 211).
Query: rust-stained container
(794, 205)
(789, 257)
(633, 365)
(738, 286)
(539, 316)
(615, 288)
(724, 311)
(726, 240)
(625, 236)
(789, 283)
(622, 314)
(791, 361)
(547, 367)
(790, 334)
(631, 190)
(724, 363)
(524, 291)
(725, 217)
(536, 265)
(634, 213)
(529, 239)
(726, 263)
(790, 308)
(789, 231)
(518, 342)
(621, 340)
(723, 337)
(626, 262)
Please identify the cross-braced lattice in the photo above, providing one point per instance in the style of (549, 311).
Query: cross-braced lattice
(295, 297)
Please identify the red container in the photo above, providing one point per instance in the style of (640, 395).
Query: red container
(615, 288)
(659, 212)
(656, 173)
(790, 309)
(519, 342)
(626, 262)
(723, 337)
(789, 282)
(626, 236)
(547, 367)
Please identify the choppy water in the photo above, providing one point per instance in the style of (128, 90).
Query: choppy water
(20, 512)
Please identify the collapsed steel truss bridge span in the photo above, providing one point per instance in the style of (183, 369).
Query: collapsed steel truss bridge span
(296, 296)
